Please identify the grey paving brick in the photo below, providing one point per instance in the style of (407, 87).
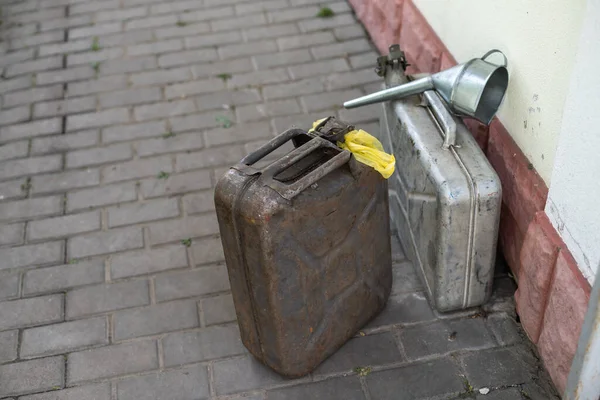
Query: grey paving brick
(32, 95)
(99, 155)
(87, 7)
(183, 90)
(282, 58)
(297, 88)
(337, 388)
(38, 15)
(247, 131)
(195, 122)
(100, 196)
(323, 101)
(197, 282)
(494, 368)
(63, 23)
(111, 241)
(64, 226)
(137, 169)
(260, 6)
(342, 80)
(112, 361)
(217, 310)
(15, 115)
(305, 40)
(14, 150)
(97, 119)
(11, 233)
(120, 98)
(259, 78)
(14, 189)
(63, 181)
(64, 48)
(8, 345)
(257, 112)
(187, 58)
(161, 77)
(186, 383)
(16, 8)
(31, 312)
(31, 129)
(416, 381)
(205, 344)
(209, 14)
(317, 24)
(162, 110)
(341, 49)
(319, 68)
(222, 67)
(10, 283)
(10, 85)
(176, 230)
(95, 30)
(99, 391)
(198, 202)
(63, 277)
(127, 65)
(28, 67)
(208, 250)
(269, 31)
(349, 32)
(181, 142)
(230, 98)
(445, 336)
(157, 318)
(91, 57)
(247, 49)
(243, 374)
(405, 279)
(362, 114)
(64, 337)
(64, 107)
(148, 261)
(215, 39)
(31, 376)
(120, 133)
(292, 14)
(65, 142)
(91, 300)
(182, 31)
(364, 60)
(150, 22)
(404, 308)
(164, 46)
(362, 351)
(175, 6)
(104, 84)
(143, 212)
(504, 328)
(30, 208)
(177, 184)
(121, 15)
(240, 22)
(125, 38)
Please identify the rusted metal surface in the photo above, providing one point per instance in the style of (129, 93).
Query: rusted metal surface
(445, 198)
(307, 247)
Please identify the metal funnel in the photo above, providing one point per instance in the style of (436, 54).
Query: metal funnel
(473, 89)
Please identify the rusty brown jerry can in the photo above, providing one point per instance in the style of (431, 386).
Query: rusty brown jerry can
(307, 247)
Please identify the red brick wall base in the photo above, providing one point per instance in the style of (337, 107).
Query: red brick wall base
(553, 295)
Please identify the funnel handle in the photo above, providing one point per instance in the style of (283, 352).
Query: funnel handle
(443, 117)
(489, 53)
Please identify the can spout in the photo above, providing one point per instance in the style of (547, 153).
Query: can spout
(398, 92)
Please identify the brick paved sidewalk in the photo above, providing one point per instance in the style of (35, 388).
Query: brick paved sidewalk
(113, 129)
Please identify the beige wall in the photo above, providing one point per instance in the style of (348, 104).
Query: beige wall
(540, 39)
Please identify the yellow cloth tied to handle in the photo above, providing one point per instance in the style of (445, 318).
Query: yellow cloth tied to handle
(367, 150)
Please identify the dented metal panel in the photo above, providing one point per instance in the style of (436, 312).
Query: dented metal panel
(307, 247)
(445, 201)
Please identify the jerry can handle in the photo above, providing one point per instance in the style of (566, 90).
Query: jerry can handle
(289, 191)
(271, 146)
(443, 117)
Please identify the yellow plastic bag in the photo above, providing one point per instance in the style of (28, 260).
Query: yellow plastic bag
(367, 150)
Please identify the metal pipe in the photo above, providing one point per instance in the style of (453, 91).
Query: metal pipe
(398, 92)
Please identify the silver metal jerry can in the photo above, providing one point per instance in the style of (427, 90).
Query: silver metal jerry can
(445, 197)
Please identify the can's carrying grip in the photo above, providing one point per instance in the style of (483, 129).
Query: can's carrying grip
(443, 117)
(291, 190)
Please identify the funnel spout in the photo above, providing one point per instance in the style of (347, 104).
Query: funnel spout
(398, 92)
